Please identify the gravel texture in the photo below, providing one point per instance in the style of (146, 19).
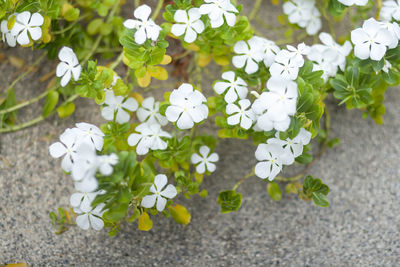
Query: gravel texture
(360, 228)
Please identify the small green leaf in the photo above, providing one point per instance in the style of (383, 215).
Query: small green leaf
(320, 200)
(274, 191)
(51, 103)
(229, 201)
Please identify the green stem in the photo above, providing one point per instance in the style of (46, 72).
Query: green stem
(98, 39)
(25, 103)
(137, 3)
(117, 61)
(158, 9)
(21, 126)
(71, 25)
(31, 67)
(247, 176)
(255, 9)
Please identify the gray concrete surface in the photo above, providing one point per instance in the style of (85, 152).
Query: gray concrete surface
(360, 228)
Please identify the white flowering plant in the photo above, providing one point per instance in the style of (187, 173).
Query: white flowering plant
(151, 150)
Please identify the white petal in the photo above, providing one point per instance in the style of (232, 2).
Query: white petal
(169, 191)
(62, 68)
(161, 202)
(196, 158)
(178, 29)
(148, 201)
(160, 181)
(185, 121)
(204, 151)
(97, 223)
(66, 78)
(35, 32)
(57, 150)
(190, 35)
(76, 72)
(142, 12)
(108, 113)
(23, 38)
(201, 168)
(83, 221)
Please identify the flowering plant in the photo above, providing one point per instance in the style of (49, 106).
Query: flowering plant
(150, 150)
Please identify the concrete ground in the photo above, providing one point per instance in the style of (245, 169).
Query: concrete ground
(360, 228)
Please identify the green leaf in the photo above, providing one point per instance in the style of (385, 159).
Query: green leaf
(117, 213)
(320, 200)
(336, 8)
(229, 201)
(66, 109)
(51, 103)
(274, 191)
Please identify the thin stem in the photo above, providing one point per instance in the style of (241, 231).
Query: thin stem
(34, 121)
(98, 39)
(117, 61)
(378, 8)
(325, 15)
(30, 68)
(71, 25)
(137, 3)
(255, 9)
(247, 176)
(25, 103)
(158, 9)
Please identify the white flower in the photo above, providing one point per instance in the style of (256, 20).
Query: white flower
(292, 147)
(394, 30)
(67, 148)
(69, 65)
(270, 163)
(148, 137)
(371, 40)
(390, 9)
(303, 13)
(145, 27)
(273, 108)
(189, 24)
(6, 33)
(234, 86)
(106, 162)
(88, 184)
(298, 11)
(148, 112)
(217, 10)
(284, 66)
(90, 134)
(296, 54)
(270, 50)
(325, 59)
(160, 181)
(249, 55)
(387, 66)
(187, 107)
(341, 51)
(25, 23)
(83, 201)
(85, 219)
(242, 114)
(117, 106)
(354, 2)
(314, 24)
(204, 161)
(86, 162)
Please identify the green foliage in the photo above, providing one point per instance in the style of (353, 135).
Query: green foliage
(314, 189)
(229, 201)
(274, 191)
